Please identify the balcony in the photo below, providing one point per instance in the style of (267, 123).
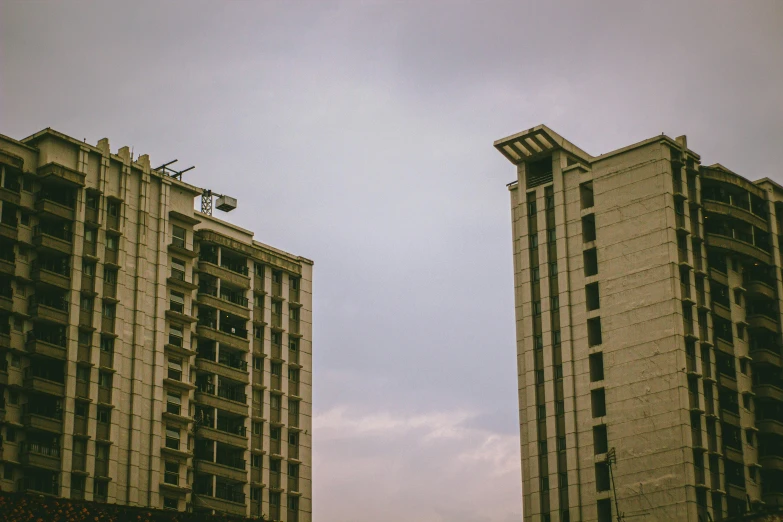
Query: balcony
(772, 461)
(10, 191)
(57, 204)
(40, 456)
(41, 417)
(769, 390)
(224, 500)
(53, 309)
(53, 239)
(7, 259)
(225, 274)
(36, 380)
(39, 485)
(179, 247)
(47, 344)
(222, 398)
(231, 368)
(235, 435)
(737, 244)
(731, 209)
(179, 279)
(237, 338)
(230, 302)
(761, 320)
(757, 288)
(766, 356)
(8, 229)
(60, 173)
(51, 273)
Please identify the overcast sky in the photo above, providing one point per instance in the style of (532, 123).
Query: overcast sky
(359, 134)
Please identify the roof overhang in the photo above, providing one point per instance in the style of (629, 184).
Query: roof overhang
(536, 142)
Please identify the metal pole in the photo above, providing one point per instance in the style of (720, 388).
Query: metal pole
(610, 458)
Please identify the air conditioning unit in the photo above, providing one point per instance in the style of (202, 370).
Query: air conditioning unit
(226, 203)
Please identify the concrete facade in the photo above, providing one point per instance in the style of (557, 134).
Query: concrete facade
(647, 293)
(150, 355)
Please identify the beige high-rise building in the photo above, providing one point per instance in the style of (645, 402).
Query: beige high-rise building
(150, 355)
(648, 316)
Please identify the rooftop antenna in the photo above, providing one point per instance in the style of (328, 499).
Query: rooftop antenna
(224, 203)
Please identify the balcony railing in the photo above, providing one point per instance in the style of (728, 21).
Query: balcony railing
(55, 338)
(230, 494)
(58, 267)
(54, 232)
(44, 485)
(231, 427)
(44, 410)
(223, 392)
(59, 197)
(230, 297)
(235, 267)
(231, 461)
(58, 303)
(41, 449)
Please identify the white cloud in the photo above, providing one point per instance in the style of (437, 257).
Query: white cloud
(425, 467)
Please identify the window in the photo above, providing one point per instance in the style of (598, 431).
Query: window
(737, 296)
(561, 443)
(552, 269)
(592, 298)
(274, 432)
(256, 461)
(101, 489)
(258, 301)
(533, 241)
(82, 373)
(294, 282)
(88, 269)
(16, 361)
(258, 332)
(170, 503)
(258, 363)
(259, 270)
(113, 207)
(258, 428)
(171, 475)
(750, 437)
(539, 376)
(92, 200)
(555, 337)
(596, 366)
(558, 372)
(602, 476)
(275, 338)
(538, 342)
(588, 228)
(590, 262)
(89, 235)
(277, 368)
(598, 402)
(86, 304)
(277, 276)
(109, 310)
(535, 274)
(112, 243)
(752, 473)
(10, 434)
(551, 236)
(173, 403)
(594, 337)
(255, 494)
(175, 335)
(104, 379)
(77, 483)
(586, 194)
(544, 483)
(536, 307)
(80, 409)
(743, 362)
(8, 472)
(746, 401)
(107, 344)
(179, 236)
(542, 447)
(562, 480)
(741, 334)
(21, 289)
(531, 204)
(541, 412)
(177, 303)
(175, 369)
(600, 441)
(172, 438)
(178, 269)
(25, 219)
(13, 397)
(555, 303)
(559, 407)
(104, 415)
(605, 510)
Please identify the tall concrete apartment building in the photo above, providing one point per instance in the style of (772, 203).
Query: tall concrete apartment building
(150, 355)
(648, 316)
